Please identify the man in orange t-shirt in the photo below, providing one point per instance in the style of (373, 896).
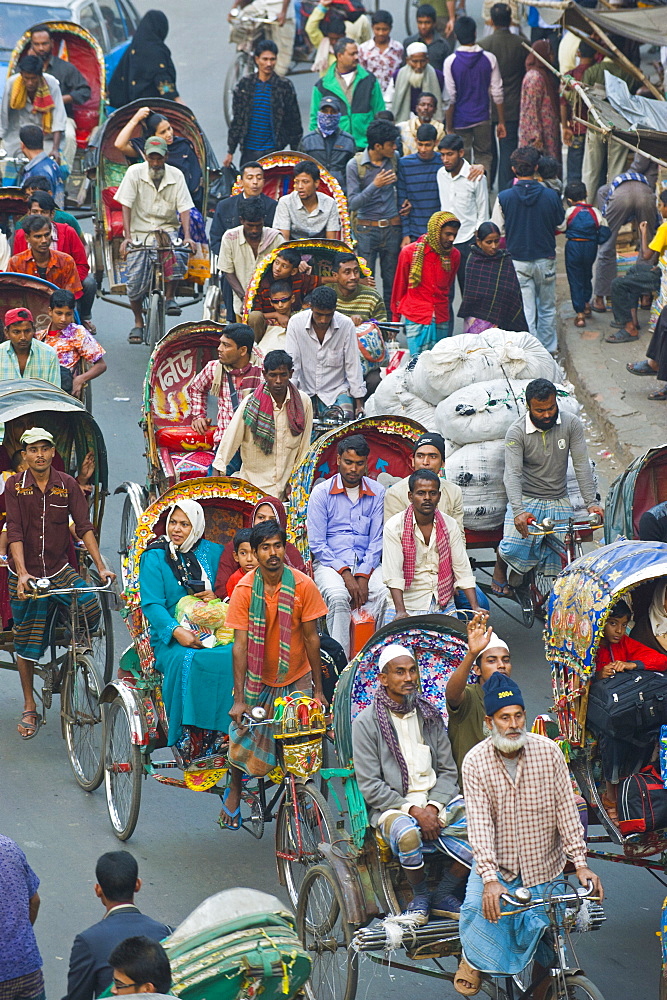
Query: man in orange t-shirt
(273, 612)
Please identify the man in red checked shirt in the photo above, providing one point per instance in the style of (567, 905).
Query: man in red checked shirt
(424, 276)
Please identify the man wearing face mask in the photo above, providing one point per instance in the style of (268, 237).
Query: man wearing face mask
(537, 448)
(328, 143)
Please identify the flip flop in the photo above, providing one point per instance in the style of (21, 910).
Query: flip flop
(466, 974)
(32, 727)
(620, 337)
(595, 309)
(660, 394)
(641, 368)
(136, 335)
(232, 815)
(501, 589)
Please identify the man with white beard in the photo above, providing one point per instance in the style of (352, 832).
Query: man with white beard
(523, 825)
(414, 79)
(154, 196)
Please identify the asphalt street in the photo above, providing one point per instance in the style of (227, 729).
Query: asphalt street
(183, 856)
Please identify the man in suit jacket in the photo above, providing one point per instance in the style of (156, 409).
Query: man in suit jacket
(117, 883)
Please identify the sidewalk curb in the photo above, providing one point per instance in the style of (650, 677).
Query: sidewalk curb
(612, 397)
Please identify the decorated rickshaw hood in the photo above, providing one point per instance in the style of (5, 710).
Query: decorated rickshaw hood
(584, 592)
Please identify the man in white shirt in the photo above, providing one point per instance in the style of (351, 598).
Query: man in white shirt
(423, 554)
(323, 345)
(306, 213)
(154, 197)
(464, 192)
(242, 247)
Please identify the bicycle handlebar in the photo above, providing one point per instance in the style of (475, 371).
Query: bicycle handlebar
(42, 591)
(524, 898)
(549, 524)
(181, 245)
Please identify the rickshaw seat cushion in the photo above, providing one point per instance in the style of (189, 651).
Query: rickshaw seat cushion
(113, 211)
(178, 437)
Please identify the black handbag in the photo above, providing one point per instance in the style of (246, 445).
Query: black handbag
(628, 704)
(642, 802)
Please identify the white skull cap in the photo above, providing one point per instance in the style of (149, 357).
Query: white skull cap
(392, 652)
(415, 48)
(494, 642)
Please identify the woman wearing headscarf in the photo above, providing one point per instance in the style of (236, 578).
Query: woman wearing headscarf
(267, 509)
(145, 69)
(197, 682)
(492, 296)
(424, 275)
(539, 112)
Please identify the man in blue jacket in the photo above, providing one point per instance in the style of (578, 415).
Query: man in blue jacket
(529, 214)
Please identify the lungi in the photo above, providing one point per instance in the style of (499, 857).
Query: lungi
(505, 948)
(254, 750)
(402, 833)
(139, 267)
(30, 616)
(522, 554)
(28, 987)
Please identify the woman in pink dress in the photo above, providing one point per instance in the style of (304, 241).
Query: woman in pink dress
(539, 115)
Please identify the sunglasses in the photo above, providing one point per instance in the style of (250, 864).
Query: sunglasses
(281, 301)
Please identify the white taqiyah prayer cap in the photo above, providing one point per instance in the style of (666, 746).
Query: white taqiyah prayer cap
(494, 642)
(414, 48)
(392, 652)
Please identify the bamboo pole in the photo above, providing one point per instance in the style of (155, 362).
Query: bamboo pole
(625, 61)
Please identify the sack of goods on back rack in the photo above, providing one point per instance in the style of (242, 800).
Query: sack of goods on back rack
(470, 389)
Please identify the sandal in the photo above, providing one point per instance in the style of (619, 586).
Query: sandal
(236, 815)
(501, 589)
(580, 320)
(641, 368)
(136, 335)
(467, 980)
(587, 309)
(660, 394)
(621, 337)
(596, 309)
(31, 727)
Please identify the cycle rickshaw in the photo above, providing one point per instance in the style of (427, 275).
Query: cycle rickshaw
(78, 661)
(72, 42)
(137, 724)
(641, 486)
(348, 901)
(107, 166)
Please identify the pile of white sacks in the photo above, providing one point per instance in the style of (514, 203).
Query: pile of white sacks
(470, 389)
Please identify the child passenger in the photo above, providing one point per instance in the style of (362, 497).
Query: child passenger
(73, 344)
(617, 653)
(244, 557)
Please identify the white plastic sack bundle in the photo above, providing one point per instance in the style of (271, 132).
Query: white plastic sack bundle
(573, 490)
(417, 409)
(386, 400)
(478, 470)
(469, 358)
(392, 397)
(485, 411)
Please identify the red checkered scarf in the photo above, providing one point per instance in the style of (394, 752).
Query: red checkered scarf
(445, 569)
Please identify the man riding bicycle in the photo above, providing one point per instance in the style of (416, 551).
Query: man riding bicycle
(39, 504)
(154, 197)
(537, 448)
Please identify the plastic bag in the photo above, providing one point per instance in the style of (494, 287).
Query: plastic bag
(205, 618)
(199, 265)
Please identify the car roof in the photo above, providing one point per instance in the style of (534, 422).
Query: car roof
(42, 3)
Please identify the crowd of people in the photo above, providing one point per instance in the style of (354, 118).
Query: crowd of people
(448, 155)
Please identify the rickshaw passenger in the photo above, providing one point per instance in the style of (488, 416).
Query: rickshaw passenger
(231, 378)
(306, 213)
(72, 343)
(154, 197)
(41, 261)
(617, 653)
(271, 429)
(406, 773)
(21, 355)
(266, 509)
(537, 448)
(649, 603)
(274, 612)
(286, 266)
(344, 521)
(32, 97)
(428, 453)
(39, 182)
(40, 164)
(39, 503)
(523, 825)
(197, 682)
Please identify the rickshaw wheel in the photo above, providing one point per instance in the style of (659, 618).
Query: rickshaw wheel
(540, 588)
(83, 719)
(315, 826)
(122, 771)
(577, 988)
(128, 526)
(102, 640)
(155, 319)
(326, 933)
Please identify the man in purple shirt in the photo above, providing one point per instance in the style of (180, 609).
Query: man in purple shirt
(20, 960)
(344, 520)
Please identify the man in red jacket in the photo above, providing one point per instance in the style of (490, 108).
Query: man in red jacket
(425, 273)
(65, 240)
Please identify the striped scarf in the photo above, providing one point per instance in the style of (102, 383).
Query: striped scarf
(258, 415)
(445, 569)
(257, 629)
(42, 102)
(384, 705)
(432, 239)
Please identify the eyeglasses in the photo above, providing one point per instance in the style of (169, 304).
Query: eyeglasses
(118, 985)
(279, 302)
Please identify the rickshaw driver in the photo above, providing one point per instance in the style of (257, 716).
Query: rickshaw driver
(154, 197)
(537, 448)
(523, 825)
(406, 773)
(39, 504)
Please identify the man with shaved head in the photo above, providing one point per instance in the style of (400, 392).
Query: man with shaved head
(406, 773)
